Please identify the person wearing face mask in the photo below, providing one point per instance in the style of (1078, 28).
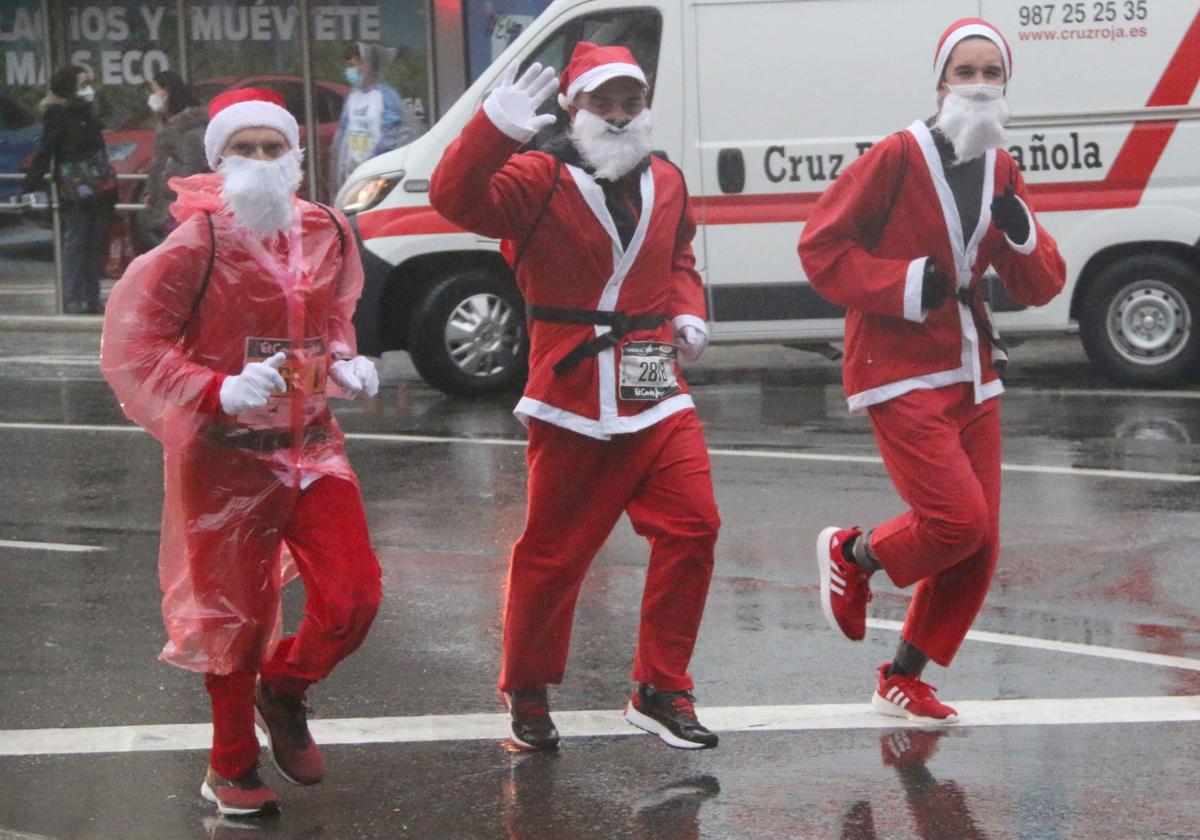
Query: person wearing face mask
(72, 148)
(599, 232)
(901, 239)
(373, 119)
(178, 153)
(225, 342)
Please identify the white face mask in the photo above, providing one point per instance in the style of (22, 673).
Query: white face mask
(87, 94)
(155, 103)
(259, 193)
(611, 151)
(972, 118)
(978, 93)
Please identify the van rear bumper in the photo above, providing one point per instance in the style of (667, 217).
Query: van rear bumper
(368, 315)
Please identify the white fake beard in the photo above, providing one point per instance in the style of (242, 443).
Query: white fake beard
(972, 125)
(608, 150)
(259, 192)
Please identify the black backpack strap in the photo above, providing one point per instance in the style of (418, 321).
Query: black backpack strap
(538, 219)
(338, 225)
(208, 269)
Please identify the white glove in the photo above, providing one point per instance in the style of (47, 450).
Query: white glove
(356, 376)
(512, 107)
(690, 342)
(253, 386)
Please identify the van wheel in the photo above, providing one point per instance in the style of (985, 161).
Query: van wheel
(1138, 321)
(468, 336)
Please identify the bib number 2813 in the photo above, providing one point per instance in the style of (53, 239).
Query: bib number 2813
(647, 371)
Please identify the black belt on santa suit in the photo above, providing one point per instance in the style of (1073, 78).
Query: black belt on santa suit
(966, 296)
(619, 324)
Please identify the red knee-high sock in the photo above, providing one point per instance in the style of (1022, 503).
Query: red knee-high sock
(235, 744)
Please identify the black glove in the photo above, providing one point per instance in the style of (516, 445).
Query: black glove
(936, 286)
(1010, 216)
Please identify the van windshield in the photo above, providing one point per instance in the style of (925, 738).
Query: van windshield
(638, 29)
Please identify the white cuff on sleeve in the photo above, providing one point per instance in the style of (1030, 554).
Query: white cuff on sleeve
(520, 133)
(691, 321)
(1030, 242)
(914, 281)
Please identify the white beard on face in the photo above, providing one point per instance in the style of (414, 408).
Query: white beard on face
(611, 151)
(973, 123)
(259, 193)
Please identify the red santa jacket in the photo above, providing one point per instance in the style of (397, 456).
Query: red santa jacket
(858, 254)
(573, 259)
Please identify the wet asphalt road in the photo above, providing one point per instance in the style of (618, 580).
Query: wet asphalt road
(1099, 553)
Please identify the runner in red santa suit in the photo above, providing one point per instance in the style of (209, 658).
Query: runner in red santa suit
(224, 342)
(601, 232)
(901, 240)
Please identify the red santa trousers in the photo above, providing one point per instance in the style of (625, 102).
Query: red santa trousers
(578, 487)
(327, 535)
(942, 452)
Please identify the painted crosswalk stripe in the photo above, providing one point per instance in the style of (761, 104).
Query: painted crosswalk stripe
(609, 722)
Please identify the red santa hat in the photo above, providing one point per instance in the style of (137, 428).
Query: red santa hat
(233, 110)
(968, 28)
(591, 66)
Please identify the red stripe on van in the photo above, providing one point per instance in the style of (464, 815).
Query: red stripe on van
(753, 209)
(1143, 148)
(404, 221)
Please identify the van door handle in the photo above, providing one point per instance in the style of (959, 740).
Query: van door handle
(731, 170)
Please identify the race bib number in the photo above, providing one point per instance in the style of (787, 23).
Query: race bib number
(303, 374)
(360, 144)
(647, 371)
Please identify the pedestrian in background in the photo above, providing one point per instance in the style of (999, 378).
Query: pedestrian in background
(223, 342)
(901, 239)
(373, 115)
(178, 152)
(72, 149)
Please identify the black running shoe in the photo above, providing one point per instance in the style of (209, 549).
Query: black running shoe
(532, 728)
(671, 715)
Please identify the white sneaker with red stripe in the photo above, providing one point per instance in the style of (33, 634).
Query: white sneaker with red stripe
(908, 697)
(845, 588)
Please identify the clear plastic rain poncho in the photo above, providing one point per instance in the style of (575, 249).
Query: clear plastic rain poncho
(231, 482)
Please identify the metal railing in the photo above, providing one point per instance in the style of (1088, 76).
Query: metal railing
(56, 219)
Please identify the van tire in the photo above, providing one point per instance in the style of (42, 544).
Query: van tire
(1138, 321)
(468, 337)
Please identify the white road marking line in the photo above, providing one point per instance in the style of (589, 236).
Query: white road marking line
(608, 722)
(1040, 469)
(6, 834)
(380, 437)
(81, 361)
(1105, 392)
(69, 548)
(1013, 640)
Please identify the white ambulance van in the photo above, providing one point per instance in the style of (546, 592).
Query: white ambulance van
(762, 103)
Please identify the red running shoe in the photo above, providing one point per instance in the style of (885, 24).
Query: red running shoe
(908, 697)
(845, 588)
(284, 719)
(245, 796)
